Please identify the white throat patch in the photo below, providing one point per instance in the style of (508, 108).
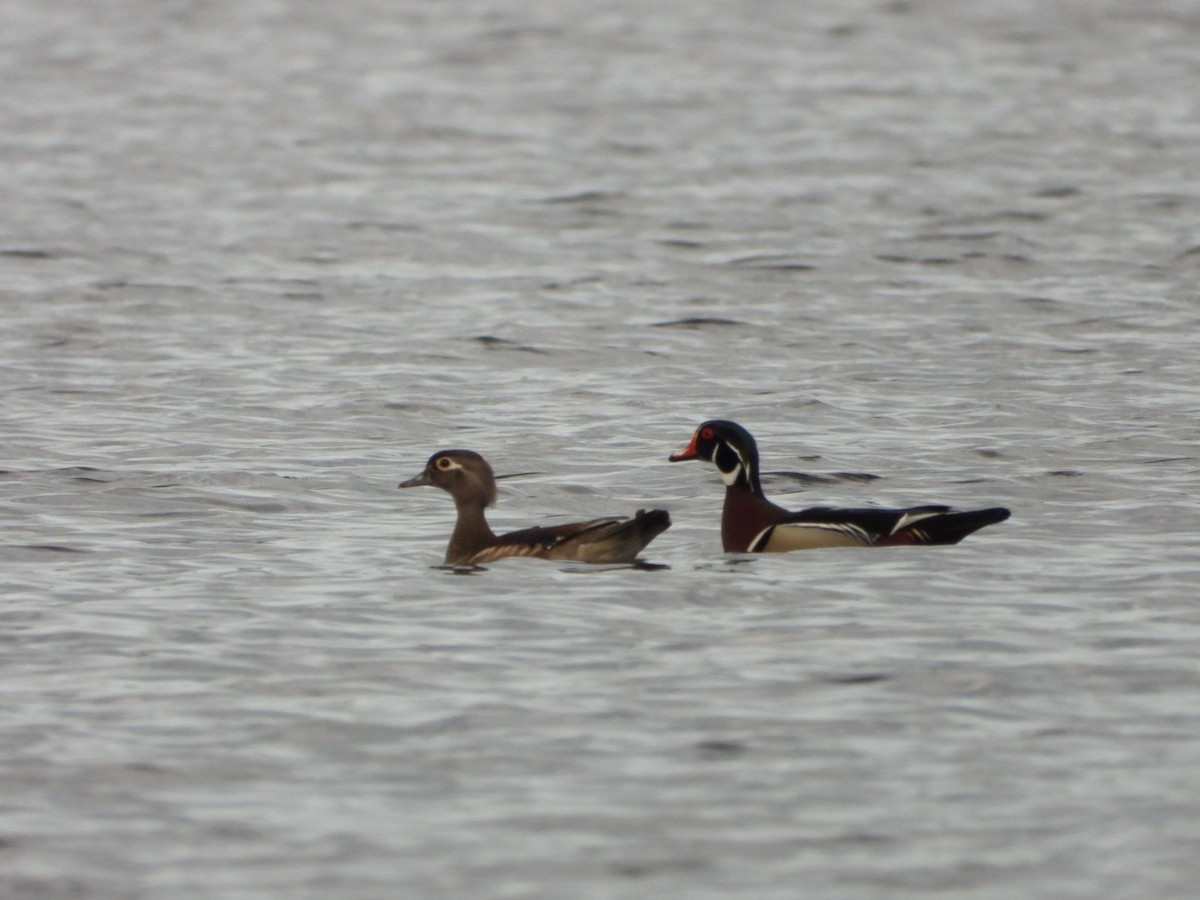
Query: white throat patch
(731, 477)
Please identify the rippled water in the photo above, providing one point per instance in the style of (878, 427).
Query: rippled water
(258, 260)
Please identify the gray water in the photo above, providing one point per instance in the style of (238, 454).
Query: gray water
(259, 259)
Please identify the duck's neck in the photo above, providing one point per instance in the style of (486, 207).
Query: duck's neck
(471, 532)
(745, 514)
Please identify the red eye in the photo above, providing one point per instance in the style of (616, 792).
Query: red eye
(707, 434)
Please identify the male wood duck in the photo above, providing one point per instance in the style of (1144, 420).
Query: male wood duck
(467, 477)
(750, 523)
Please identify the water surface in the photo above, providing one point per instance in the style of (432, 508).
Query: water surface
(258, 260)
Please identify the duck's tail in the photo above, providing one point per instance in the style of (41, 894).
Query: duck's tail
(947, 527)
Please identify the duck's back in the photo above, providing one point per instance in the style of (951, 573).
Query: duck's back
(607, 540)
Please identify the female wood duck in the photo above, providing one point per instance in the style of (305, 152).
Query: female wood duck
(467, 477)
(750, 523)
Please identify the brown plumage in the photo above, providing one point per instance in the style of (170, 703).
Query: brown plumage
(467, 477)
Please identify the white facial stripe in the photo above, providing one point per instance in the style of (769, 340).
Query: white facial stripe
(731, 477)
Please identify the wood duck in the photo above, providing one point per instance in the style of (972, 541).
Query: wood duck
(750, 523)
(467, 477)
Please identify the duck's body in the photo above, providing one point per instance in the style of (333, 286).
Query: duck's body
(468, 478)
(750, 523)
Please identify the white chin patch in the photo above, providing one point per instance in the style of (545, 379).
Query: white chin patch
(730, 478)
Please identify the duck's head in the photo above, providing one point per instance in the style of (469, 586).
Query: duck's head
(463, 474)
(729, 447)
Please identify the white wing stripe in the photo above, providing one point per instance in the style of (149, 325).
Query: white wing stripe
(910, 517)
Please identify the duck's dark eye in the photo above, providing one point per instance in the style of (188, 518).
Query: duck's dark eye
(707, 433)
(444, 463)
